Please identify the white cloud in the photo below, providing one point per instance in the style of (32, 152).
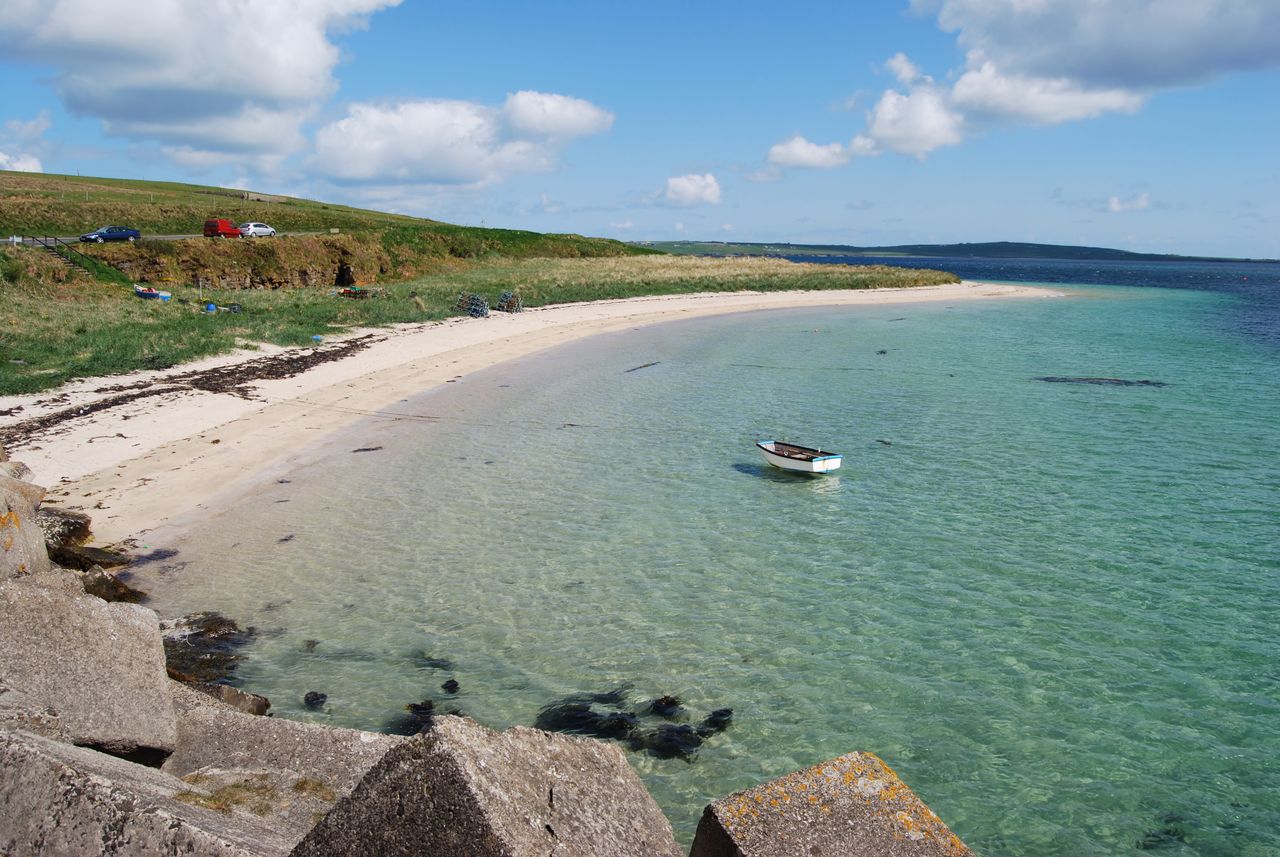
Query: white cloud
(27, 132)
(903, 69)
(1130, 44)
(20, 138)
(916, 123)
(624, 225)
(228, 76)
(452, 142)
(20, 163)
(548, 115)
(983, 89)
(799, 152)
(693, 190)
(1138, 203)
(1050, 61)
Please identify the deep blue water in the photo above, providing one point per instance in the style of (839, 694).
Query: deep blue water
(1256, 284)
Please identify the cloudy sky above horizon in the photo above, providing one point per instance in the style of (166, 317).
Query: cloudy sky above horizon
(1148, 125)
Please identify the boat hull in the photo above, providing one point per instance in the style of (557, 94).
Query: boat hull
(813, 460)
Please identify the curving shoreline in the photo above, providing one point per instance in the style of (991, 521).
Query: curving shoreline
(173, 448)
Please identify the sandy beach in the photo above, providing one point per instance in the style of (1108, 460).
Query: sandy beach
(150, 447)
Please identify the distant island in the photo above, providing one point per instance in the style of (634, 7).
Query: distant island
(984, 250)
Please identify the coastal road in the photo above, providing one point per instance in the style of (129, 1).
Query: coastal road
(74, 239)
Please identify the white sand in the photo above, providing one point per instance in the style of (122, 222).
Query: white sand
(135, 466)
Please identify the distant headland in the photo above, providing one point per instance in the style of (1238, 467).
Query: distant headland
(982, 250)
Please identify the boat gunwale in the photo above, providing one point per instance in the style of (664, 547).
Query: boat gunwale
(817, 454)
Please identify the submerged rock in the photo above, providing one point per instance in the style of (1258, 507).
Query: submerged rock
(102, 584)
(717, 721)
(417, 717)
(668, 741)
(667, 707)
(603, 715)
(203, 646)
(314, 700)
(424, 661)
(450, 686)
(1170, 834)
(579, 718)
(1114, 382)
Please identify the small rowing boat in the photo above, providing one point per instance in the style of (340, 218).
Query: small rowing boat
(150, 293)
(800, 459)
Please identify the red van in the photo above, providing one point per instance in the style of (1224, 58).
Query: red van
(218, 228)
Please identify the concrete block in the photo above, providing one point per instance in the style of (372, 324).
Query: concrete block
(212, 733)
(22, 548)
(57, 800)
(460, 789)
(853, 806)
(99, 667)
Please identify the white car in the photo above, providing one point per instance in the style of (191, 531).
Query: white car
(256, 230)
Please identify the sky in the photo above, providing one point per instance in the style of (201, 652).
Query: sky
(1145, 125)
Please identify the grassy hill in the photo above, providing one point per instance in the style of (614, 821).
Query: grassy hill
(44, 204)
(57, 324)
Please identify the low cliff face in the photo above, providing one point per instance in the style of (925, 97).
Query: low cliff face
(263, 263)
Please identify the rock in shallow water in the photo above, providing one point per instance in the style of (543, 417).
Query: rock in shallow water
(579, 718)
(668, 741)
(602, 715)
(1113, 382)
(203, 646)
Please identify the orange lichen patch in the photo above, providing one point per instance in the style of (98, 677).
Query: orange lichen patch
(910, 825)
(857, 784)
(9, 519)
(8, 541)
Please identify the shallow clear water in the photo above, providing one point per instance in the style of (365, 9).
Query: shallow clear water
(1052, 608)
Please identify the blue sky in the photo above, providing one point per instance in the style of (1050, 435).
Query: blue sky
(1150, 125)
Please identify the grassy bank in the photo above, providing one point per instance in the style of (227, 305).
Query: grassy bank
(53, 332)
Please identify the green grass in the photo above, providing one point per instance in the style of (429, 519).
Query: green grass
(46, 204)
(53, 333)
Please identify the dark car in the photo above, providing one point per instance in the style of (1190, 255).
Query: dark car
(112, 233)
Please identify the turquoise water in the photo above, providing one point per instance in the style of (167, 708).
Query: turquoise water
(1052, 608)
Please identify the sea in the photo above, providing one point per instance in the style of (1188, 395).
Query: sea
(1044, 587)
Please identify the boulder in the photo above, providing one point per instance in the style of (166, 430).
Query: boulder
(85, 558)
(233, 697)
(102, 584)
(22, 548)
(59, 799)
(63, 526)
(20, 711)
(214, 734)
(16, 470)
(203, 647)
(98, 666)
(852, 806)
(287, 771)
(460, 789)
